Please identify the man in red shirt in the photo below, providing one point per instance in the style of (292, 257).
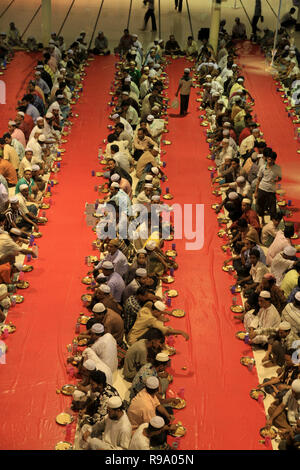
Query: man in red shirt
(25, 123)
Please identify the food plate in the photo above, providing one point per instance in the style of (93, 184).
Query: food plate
(68, 389)
(237, 308)
(57, 159)
(45, 206)
(246, 361)
(178, 312)
(295, 236)
(168, 196)
(216, 192)
(9, 327)
(256, 392)
(211, 168)
(180, 405)
(82, 342)
(281, 203)
(93, 259)
(84, 319)
(225, 248)
(270, 432)
(99, 173)
(103, 162)
(241, 335)
(297, 247)
(219, 178)
(86, 297)
(204, 124)
(87, 280)
(221, 233)
(280, 192)
(61, 150)
(42, 220)
(64, 419)
(214, 206)
(171, 253)
(64, 141)
(18, 298)
(180, 431)
(27, 268)
(228, 269)
(37, 234)
(63, 445)
(105, 190)
(22, 284)
(167, 279)
(172, 293)
(238, 289)
(167, 142)
(223, 220)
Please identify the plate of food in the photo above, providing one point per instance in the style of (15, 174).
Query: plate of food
(218, 179)
(167, 142)
(297, 247)
(45, 206)
(22, 284)
(84, 319)
(178, 406)
(237, 308)
(172, 293)
(223, 220)
(82, 342)
(228, 269)
(64, 418)
(215, 192)
(214, 206)
(171, 253)
(93, 259)
(225, 248)
(178, 313)
(18, 298)
(86, 297)
(211, 168)
(99, 173)
(270, 432)
(57, 159)
(167, 196)
(105, 191)
(103, 162)
(204, 124)
(68, 389)
(63, 445)
(37, 234)
(255, 393)
(9, 327)
(61, 150)
(167, 279)
(295, 236)
(27, 268)
(247, 361)
(87, 280)
(180, 430)
(221, 233)
(281, 203)
(241, 335)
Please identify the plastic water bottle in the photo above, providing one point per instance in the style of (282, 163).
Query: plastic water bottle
(77, 327)
(35, 250)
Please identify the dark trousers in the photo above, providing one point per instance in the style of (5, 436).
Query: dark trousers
(150, 14)
(255, 20)
(178, 4)
(184, 103)
(266, 202)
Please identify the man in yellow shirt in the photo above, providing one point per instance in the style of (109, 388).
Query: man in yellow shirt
(290, 280)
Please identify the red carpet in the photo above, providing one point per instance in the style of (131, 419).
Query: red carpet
(46, 320)
(16, 78)
(220, 413)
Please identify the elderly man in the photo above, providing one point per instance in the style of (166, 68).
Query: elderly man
(119, 197)
(267, 317)
(105, 346)
(102, 294)
(16, 218)
(9, 249)
(25, 164)
(116, 257)
(285, 415)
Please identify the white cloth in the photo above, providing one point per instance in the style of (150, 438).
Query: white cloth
(293, 407)
(106, 349)
(139, 441)
(127, 126)
(291, 314)
(88, 353)
(278, 267)
(266, 318)
(116, 435)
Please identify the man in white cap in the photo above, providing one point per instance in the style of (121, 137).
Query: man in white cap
(267, 317)
(116, 257)
(185, 85)
(91, 362)
(127, 127)
(291, 314)
(15, 217)
(9, 249)
(114, 433)
(119, 197)
(145, 405)
(146, 194)
(286, 415)
(146, 432)
(112, 321)
(151, 316)
(150, 156)
(113, 280)
(105, 346)
(16, 133)
(156, 127)
(139, 280)
(102, 294)
(282, 262)
(155, 368)
(25, 123)
(123, 182)
(26, 162)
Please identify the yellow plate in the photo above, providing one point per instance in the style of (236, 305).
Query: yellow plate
(63, 445)
(82, 342)
(99, 173)
(168, 196)
(103, 162)
(281, 203)
(214, 206)
(221, 233)
(86, 297)
(37, 234)
(68, 389)
(27, 268)
(93, 259)
(167, 142)
(105, 190)
(87, 280)
(255, 392)
(167, 279)
(295, 236)
(43, 220)
(268, 432)
(57, 159)
(228, 268)
(237, 308)
(240, 335)
(172, 293)
(211, 168)
(45, 206)
(178, 312)
(22, 284)
(180, 405)
(18, 298)
(216, 192)
(180, 431)
(10, 328)
(246, 361)
(280, 191)
(61, 150)
(203, 124)
(297, 247)
(171, 253)
(64, 419)
(84, 319)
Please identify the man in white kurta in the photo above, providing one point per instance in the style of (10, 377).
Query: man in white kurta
(105, 346)
(267, 317)
(141, 438)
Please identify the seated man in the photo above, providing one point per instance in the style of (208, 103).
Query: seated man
(267, 317)
(283, 262)
(101, 44)
(172, 47)
(239, 30)
(290, 280)
(104, 345)
(116, 257)
(285, 415)
(147, 433)
(291, 314)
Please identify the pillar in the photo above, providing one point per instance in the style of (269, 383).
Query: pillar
(46, 21)
(215, 24)
(298, 19)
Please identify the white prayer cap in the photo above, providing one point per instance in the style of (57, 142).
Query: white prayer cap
(141, 272)
(28, 168)
(225, 141)
(100, 276)
(160, 306)
(146, 68)
(3, 289)
(98, 308)
(226, 124)
(206, 84)
(155, 147)
(107, 265)
(40, 118)
(157, 422)
(286, 48)
(49, 115)
(157, 66)
(297, 296)
(12, 123)
(105, 288)
(265, 294)
(148, 178)
(134, 35)
(114, 185)
(228, 157)
(234, 65)
(289, 250)
(37, 73)
(150, 118)
(39, 66)
(232, 185)
(160, 41)
(155, 170)
(155, 198)
(152, 383)
(125, 93)
(292, 52)
(296, 385)
(233, 195)
(70, 51)
(97, 328)
(42, 138)
(13, 199)
(187, 70)
(115, 177)
(155, 108)
(114, 403)
(162, 357)
(28, 149)
(240, 179)
(15, 231)
(35, 168)
(148, 186)
(215, 93)
(63, 69)
(240, 79)
(127, 79)
(23, 186)
(21, 113)
(89, 364)
(115, 116)
(208, 76)
(60, 97)
(284, 325)
(141, 252)
(220, 101)
(78, 395)
(246, 201)
(151, 245)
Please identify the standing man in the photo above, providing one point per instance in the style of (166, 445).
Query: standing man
(185, 84)
(255, 19)
(178, 4)
(149, 13)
